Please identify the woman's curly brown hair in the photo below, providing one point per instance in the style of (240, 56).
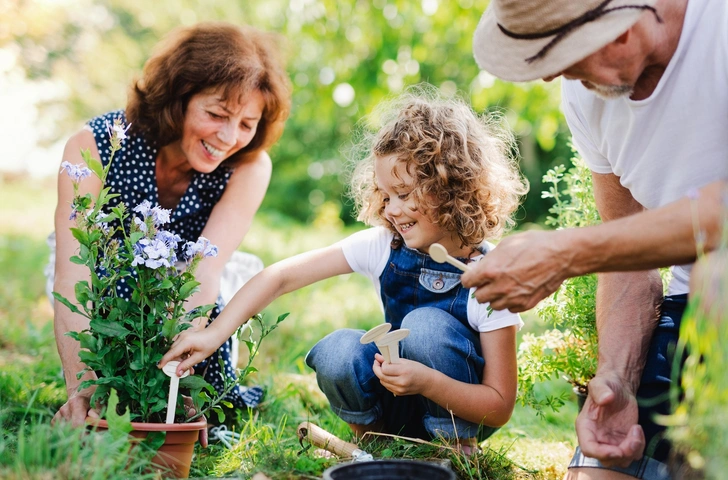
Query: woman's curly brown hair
(463, 166)
(210, 56)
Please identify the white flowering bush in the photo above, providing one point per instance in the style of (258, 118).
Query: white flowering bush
(129, 334)
(568, 349)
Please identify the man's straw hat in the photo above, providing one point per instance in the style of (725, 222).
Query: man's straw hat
(521, 40)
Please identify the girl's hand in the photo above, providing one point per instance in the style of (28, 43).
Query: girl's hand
(404, 378)
(191, 347)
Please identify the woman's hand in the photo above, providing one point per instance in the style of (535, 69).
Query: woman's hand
(191, 347)
(76, 409)
(405, 377)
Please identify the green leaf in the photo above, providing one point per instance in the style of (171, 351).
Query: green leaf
(112, 316)
(154, 440)
(188, 288)
(77, 260)
(89, 358)
(109, 381)
(82, 292)
(93, 164)
(119, 425)
(169, 330)
(87, 341)
(110, 329)
(80, 235)
(67, 303)
(135, 237)
(194, 382)
(73, 335)
(198, 312)
(101, 394)
(136, 365)
(220, 414)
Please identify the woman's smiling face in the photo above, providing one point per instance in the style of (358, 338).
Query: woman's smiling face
(214, 129)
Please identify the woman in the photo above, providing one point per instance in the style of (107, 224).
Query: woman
(212, 98)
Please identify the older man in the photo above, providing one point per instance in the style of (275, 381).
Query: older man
(645, 95)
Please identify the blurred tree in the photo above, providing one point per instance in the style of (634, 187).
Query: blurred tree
(343, 57)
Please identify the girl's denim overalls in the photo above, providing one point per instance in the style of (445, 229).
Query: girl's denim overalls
(427, 298)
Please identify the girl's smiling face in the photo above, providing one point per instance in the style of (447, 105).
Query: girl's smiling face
(214, 130)
(410, 220)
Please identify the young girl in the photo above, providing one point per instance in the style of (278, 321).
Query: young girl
(434, 173)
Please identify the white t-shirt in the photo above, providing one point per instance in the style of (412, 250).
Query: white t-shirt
(367, 252)
(675, 141)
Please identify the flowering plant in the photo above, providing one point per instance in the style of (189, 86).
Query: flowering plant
(569, 348)
(135, 299)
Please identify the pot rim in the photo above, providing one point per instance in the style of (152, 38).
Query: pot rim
(153, 427)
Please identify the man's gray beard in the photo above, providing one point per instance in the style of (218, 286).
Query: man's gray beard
(610, 92)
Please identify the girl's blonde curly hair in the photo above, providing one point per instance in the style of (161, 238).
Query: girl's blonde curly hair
(463, 165)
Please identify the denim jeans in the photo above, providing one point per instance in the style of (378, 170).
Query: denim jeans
(653, 393)
(438, 340)
(652, 397)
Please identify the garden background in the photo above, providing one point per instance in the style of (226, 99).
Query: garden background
(65, 61)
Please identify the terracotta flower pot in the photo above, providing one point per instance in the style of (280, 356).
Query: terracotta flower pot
(175, 455)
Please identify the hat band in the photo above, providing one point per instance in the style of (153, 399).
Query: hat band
(567, 28)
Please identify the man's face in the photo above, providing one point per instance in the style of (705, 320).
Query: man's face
(608, 92)
(609, 72)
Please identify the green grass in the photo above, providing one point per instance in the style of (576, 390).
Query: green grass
(31, 385)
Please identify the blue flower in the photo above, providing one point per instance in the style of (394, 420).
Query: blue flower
(76, 172)
(201, 247)
(169, 238)
(140, 223)
(160, 215)
(144, 208)
(153, 253)
(210, 251)
(117, 132)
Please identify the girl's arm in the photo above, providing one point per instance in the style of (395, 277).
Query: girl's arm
(228, 224)
(489, 403)
(280, 278)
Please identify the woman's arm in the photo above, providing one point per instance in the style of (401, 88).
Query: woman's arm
(489, 403)
(229, 222)
(278, 279)
(67, 274)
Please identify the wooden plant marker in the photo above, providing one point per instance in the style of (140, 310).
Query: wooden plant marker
(440, 255)
(388, 343)
(375, 333)
(171, 371)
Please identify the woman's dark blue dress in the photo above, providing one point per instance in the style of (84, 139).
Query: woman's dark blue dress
(132, 176)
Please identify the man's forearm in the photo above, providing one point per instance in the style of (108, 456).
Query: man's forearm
(627, 312)
(651, 239)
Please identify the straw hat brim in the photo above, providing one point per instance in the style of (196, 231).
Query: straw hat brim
(505, 57)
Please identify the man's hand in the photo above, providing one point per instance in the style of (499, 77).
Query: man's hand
(403, 378)
(607, 425)
(76, 409)
(521, 271)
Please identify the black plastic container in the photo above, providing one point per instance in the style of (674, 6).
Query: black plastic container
(389, 469)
